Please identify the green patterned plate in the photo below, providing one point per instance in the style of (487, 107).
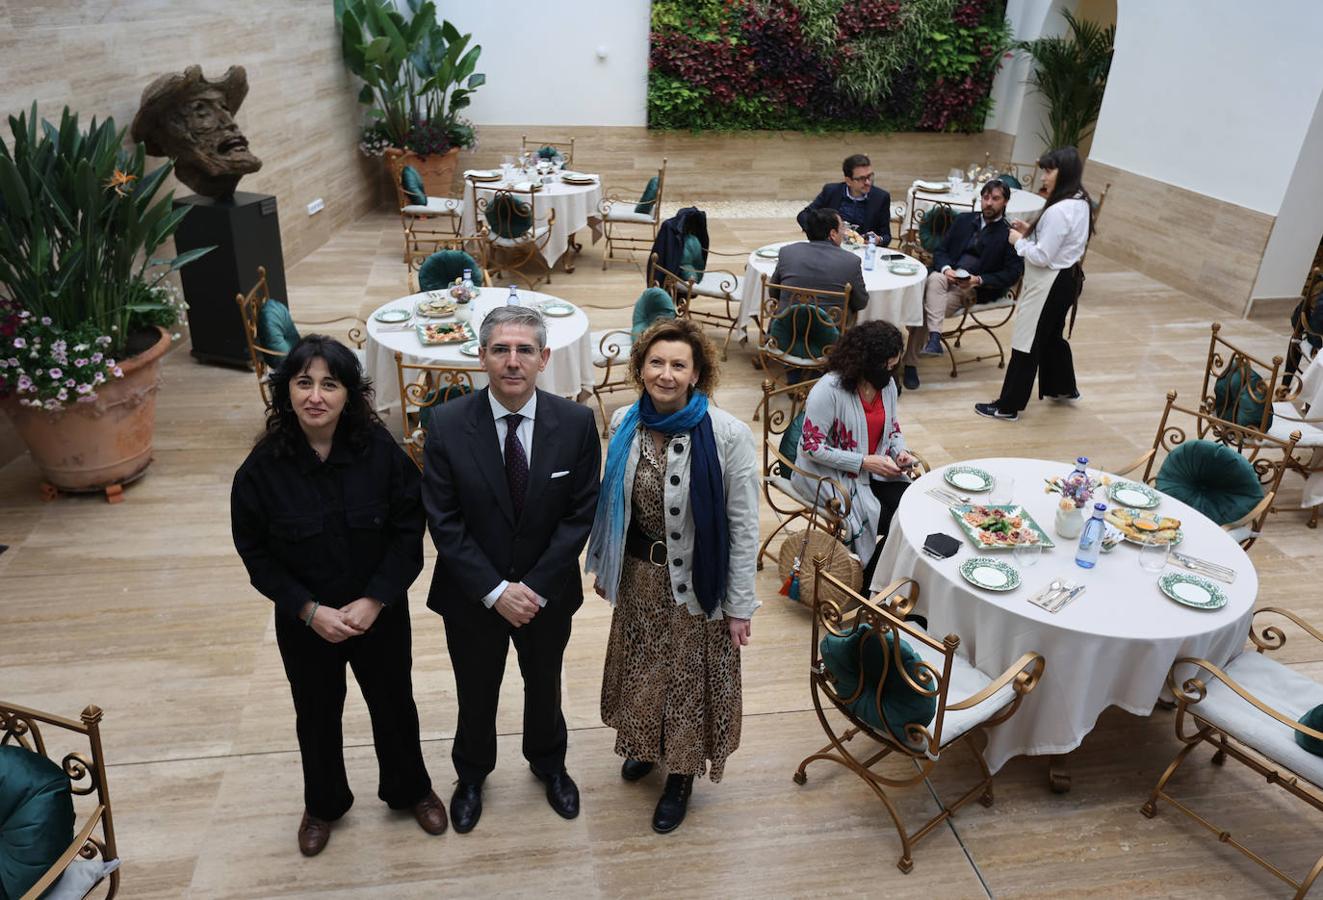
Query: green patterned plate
(469, 348)
(984, 538)
(968, 478)
(903, 268)
(393, 315)
(1192, 591)
(557, 310)
(1133, 495)
(990, 574)
(768, 252)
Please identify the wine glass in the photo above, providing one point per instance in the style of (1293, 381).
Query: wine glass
(507, 163)
(1153, 556)
(954, 177)
(1027, 555)
(1003, 491)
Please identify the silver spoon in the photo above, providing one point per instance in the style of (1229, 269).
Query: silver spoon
(1067, 589)
(1051, 589)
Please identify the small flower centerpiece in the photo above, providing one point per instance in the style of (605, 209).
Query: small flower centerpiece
(1076, 490)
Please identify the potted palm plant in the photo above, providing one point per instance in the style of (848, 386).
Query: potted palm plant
(417, 74)
(1070, 72)
(84, 307)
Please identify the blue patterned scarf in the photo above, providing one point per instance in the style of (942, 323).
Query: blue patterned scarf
(707, 499)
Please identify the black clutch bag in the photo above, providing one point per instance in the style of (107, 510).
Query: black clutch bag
(941, 546)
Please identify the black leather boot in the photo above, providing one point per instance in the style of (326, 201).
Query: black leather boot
(673, 804)
(634, 769)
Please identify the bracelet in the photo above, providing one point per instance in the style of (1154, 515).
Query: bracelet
(308, 621)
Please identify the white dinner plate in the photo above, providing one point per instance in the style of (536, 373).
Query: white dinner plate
(469, 348)
(933, 187)
(1134, 495)
(393, 315)
(968, 478)
(768, 252)
(557, 309)
(903, 268)
(990, 574)
(1192, 590)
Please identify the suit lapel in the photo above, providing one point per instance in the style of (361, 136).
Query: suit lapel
(486, 450)
(546, 438)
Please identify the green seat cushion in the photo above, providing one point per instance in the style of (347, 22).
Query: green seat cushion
(1312, 719)
(804, 330)
(936, 223)
(1212, 478)
(441, 269)
(508, 217)
(414, 189)
(547, 152)
(36, 818)
(276, 331)
(693, 260)
(1010, 181)
(649, 198)
(854, 656)
(431, 401)
(789, 445)
(652, 304)
(1241, 403)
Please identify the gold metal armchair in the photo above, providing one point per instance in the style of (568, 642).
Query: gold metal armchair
(516, 233)
(22, 727)
(423, 386)
(928, 224)
(1024, 172)
(424, 224)
(797, 327)
(563, 147)
(843, 613)
(474, 247)
(984, 317)
(1299, 351)
(712, 300)
(622, 225)
(611, 351)
(250, 312)
(1249, 711)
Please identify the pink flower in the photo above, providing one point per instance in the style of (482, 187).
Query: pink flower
(80, 363)
(20, 343)
(118, 373)
(24, 383)
(811, 436)
(56, 373)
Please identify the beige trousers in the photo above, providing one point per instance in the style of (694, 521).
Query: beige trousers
(940, 299)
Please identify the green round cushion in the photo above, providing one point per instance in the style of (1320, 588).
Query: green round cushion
(1010, 181)
(440, 270)
(547, 152)
(431, 401)
(845, 657)
(804, 330)
(789, 445)
(1212, 478)
(694, 258)
(648, 198)
(508, 217)
(936, 223)
(276, 331)
(1312, 719)
(1241, 403)
(653, 304)
(412, 182)
(36, 818)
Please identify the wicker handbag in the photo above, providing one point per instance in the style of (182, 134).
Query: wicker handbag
(796, 560)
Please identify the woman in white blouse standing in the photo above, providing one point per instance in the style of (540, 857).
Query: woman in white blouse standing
(1052, 248)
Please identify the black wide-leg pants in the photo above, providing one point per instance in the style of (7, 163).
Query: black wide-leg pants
(1049, 357)
(382, 661)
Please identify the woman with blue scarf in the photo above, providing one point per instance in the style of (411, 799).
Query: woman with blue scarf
(674, 549)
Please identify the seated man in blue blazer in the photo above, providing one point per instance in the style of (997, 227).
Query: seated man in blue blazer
(976, 244)
(864, 207)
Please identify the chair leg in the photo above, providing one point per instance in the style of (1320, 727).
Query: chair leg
(1220, 756)
(1150, 808)
(606, 423)
(762, 551)
(1313, 519)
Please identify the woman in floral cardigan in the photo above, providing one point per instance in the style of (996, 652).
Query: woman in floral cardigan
(852, 435)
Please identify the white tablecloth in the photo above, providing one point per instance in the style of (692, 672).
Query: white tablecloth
(965, 198)
(569, 370)
(1112, 646)
(897, 299)
(576, 205)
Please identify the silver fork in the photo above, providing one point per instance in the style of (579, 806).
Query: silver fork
(1067, 599)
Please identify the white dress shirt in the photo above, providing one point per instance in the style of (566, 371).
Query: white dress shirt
(1060, 237)
(525, 435)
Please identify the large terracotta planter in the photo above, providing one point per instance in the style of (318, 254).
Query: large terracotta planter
(92, 446)
(438, 170)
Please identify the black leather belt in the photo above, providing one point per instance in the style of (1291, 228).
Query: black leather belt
(641, 546)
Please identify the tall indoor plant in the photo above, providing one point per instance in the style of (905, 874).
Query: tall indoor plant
(1070, 71)
(82, 301)
(418, 74)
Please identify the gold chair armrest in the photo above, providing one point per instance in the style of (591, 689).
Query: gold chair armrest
(71, 852)
(1193, 690)
(1025, 672)
(1272, 637)
(837, 503)
(1143, 458)
(893, 598)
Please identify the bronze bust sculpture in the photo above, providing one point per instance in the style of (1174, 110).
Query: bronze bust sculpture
(191, 119)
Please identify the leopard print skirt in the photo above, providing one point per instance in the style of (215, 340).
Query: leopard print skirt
(671, 688)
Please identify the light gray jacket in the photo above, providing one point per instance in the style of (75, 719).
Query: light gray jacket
(739, 474)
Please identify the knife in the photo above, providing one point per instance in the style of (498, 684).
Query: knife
(1065, 601)
(1195, 565)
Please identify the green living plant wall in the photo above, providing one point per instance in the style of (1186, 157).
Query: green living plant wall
(866, 65)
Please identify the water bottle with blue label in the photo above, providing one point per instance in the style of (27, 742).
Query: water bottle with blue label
(1091, 539)
(512, 299)
(870, 253)
(468, 282)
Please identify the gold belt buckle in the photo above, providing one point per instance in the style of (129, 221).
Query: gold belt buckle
(652, 553)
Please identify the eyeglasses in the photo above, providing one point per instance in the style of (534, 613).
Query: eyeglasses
(863, 178)
(523, 351)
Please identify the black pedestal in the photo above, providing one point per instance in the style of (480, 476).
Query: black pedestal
(245, 231)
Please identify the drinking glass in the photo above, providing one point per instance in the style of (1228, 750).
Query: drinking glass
(1003, 491)
(507, 164)
(954, 177)
(1153, 556)
(1027, 555)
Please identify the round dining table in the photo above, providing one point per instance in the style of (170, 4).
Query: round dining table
(897, 299)
(1113, 645)
(576, 206)
(965, 197)
(569, 370)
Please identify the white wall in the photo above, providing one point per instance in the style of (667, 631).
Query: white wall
(541, 60)
(1016, 109)
(1212, 95)
(1295, 234)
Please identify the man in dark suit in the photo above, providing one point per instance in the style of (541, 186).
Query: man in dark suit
(975, 257)
(865, 207)
(510, 482)
(820, 263)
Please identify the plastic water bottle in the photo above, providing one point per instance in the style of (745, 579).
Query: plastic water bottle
(468, 282)
(1091, 539)
(870, 253)
(512, 299)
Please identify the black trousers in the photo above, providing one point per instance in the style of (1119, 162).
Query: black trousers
(1049, 356)
(888, 493)
(478, 641)
(382, 661)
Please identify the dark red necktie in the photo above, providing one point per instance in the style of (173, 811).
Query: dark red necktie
(516, 463)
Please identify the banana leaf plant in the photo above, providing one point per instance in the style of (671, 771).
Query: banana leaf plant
(80, 220)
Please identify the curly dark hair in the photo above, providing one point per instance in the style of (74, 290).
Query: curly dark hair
(283, 432)
(862, 350)
(705, 354)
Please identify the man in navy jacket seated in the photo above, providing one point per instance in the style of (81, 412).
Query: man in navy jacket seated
(975, 256)
(864, 207)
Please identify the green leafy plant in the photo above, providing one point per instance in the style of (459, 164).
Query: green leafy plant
(416, 71)
(1070, 72)
(79, 221)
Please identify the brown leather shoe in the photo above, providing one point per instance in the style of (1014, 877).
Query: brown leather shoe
(431, 814)
(313, 835)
